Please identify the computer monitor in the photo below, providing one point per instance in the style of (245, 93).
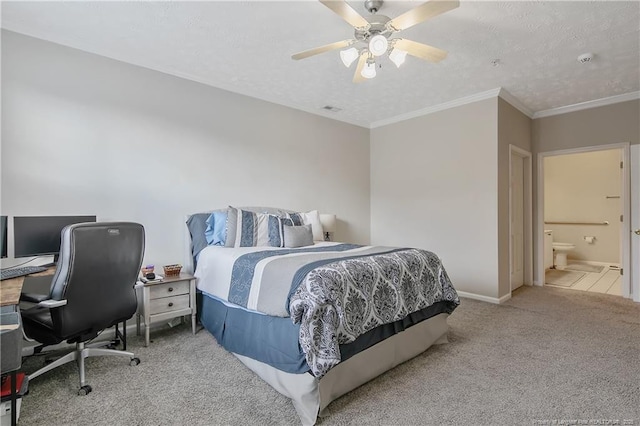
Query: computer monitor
(40, 235)
(3, 235)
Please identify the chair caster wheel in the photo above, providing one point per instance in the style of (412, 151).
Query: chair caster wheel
(84, 390)
(134, 361)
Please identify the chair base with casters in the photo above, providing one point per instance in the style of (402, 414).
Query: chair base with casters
(78, 355)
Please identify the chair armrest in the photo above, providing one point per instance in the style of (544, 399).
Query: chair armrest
(33, 297)
(52, 303)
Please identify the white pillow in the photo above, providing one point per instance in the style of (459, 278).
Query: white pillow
(313, 218)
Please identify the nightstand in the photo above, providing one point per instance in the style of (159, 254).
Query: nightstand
(164, 300)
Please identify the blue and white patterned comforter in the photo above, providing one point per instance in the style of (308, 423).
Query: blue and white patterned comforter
(336, 292)
(339, 301)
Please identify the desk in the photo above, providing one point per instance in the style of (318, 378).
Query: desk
(9, 298)
(10, 289)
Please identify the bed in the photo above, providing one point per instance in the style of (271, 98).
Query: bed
(317, 321)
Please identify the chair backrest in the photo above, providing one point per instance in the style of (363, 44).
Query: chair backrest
(97, 270)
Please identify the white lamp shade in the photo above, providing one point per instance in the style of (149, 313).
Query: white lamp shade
(328, 222)
(398, 57)
(369, 70)
(378, 45)
(348, 56)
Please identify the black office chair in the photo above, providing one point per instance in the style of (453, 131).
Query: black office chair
(92, 289)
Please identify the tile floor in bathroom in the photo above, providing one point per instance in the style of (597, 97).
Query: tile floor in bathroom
(607, 282)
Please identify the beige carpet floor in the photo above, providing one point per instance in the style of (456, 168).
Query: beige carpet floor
(548, 354)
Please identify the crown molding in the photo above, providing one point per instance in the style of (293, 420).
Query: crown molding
(515, 102)
(586, 105)
(440, 107)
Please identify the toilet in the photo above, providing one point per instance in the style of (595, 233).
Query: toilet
(561, 250)
(548, 249)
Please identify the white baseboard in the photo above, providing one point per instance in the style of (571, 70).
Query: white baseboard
(482, 298)
(504, 298)
(593, 262)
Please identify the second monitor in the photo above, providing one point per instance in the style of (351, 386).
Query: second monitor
(40, 235)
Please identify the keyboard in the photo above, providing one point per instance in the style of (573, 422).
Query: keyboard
(21, 271)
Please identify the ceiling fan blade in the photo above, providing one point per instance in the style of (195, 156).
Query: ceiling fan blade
(357, 77)
(346, 12)
(322, 49)
(419, 50)
(422, 13)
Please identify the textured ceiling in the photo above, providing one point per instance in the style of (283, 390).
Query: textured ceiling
(246, 47)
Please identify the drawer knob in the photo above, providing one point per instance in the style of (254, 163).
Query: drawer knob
(170, 289)
(170, 304)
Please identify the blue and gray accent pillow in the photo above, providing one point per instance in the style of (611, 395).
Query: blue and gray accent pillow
(249, 229)
(296, 218)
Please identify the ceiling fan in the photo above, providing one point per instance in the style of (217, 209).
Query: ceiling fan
(374, 36)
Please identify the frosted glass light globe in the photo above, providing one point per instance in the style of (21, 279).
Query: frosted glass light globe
(369, 71)
(378, 45)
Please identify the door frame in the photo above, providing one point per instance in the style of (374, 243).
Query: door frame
(527, 193)
(634, 258)
(625, 227)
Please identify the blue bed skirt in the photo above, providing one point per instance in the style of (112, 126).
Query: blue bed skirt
(272, 340)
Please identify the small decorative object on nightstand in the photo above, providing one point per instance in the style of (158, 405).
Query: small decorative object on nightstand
(328, 222)
(147, 270)
(172, 270)
(174, 296)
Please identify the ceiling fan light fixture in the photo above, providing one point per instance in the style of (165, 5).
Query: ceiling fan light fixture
(378, 45)
(398, 57)
(348, 56)
(375, 36)
(369, 70)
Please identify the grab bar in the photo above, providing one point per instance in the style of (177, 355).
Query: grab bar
(606, 222)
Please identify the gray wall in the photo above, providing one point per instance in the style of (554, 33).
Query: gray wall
(514, 128)
(604, 125)
(86, 134)
(600, 126)
(433, 186)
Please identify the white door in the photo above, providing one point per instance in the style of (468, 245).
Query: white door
(517, 221)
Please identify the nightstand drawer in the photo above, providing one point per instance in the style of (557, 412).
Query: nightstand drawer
(169, 289)
(168, 304)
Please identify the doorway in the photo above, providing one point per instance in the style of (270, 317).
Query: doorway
(520, 220)
(588, 218)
